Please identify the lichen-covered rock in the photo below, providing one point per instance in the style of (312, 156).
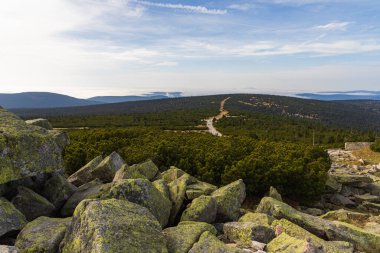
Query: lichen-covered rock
(291, 229)
(42, 235)
(148, 169)
(11, 219)
(8, 249)
(172, 174)
(91, 190)
(288, 244)
(177, 193)
(257, 218)
(113, 226)
(340, 200)
(274, 193)
(203, 209)
(243, 233)
(280, 210)
(57, 190)
(362, 240)
(106, 170)
(44, 123)
(208, 242)
(142, 192)
(229, 199)
(198, 189)
(352, 180)
(31, 204)
(182, 237)
(355, 218)
(26, 150)
(126, 172)
(83, 175)
(162, 187)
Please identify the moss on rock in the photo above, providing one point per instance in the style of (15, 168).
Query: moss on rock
(42, 235)
(31, 204)
(11, 219)
(83, 175)
(229, 199)
(182, 237)
(208, 242)
(113, 226)
(243, 233)
(199, 188)
(142, 192)
(202, 209)
(26, 150)
(257, 218)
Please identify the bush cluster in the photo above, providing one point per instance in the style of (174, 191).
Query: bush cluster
(298, 170)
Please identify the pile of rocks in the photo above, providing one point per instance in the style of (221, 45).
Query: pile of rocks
(108, 206)
(352, 186)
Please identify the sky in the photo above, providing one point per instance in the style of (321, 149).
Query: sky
(86, 48)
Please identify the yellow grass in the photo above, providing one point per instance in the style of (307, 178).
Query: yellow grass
(367, 155)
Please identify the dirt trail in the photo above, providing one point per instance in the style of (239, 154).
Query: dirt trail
(210, 121)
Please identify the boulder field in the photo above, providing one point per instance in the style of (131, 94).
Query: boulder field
(108, 206)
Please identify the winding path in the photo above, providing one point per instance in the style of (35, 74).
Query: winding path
(210, 121)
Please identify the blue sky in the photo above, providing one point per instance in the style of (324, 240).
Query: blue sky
(119, 47)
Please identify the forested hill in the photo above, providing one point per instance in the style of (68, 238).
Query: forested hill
(361, 115)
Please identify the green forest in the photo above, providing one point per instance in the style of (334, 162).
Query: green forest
(298, 170)
(268, 140)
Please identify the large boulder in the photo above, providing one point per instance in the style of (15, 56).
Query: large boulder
(274, 193)
(229, 199)
(363, 240)
(172, 174)
(106, 170)
(352, 180)
(148, 169)
(42, 235)
(198, 189)
(44, 123)
(162, 187)
(203, 209)
(83, 175)
(355, 218)
(57, 190)
(27, 150)
(91, 190)
(257, 218)
(11, 219)
(208, 242)
(102, 226)
(125, 172)
(243, 233)
(280, 210)
(285, 243)
(31, 204)
(291, 229)
(142, 192)
(182, 237)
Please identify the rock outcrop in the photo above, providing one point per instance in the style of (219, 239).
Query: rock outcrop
(11, 219)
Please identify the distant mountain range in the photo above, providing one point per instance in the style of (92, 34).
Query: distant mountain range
(52, 100)
(342, 95)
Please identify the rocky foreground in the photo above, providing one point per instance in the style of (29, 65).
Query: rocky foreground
(108, 206)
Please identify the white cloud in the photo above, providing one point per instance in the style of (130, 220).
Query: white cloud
(191, 8)
(242, 7)
(334, 26)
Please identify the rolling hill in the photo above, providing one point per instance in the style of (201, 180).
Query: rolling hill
(361, 114)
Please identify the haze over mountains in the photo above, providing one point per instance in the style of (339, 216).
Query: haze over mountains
(343, 95)
(51, 100)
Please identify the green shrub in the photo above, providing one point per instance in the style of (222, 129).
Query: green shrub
(376, 146)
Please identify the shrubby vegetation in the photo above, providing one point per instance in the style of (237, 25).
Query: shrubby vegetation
(376, 146)
(298, 170)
